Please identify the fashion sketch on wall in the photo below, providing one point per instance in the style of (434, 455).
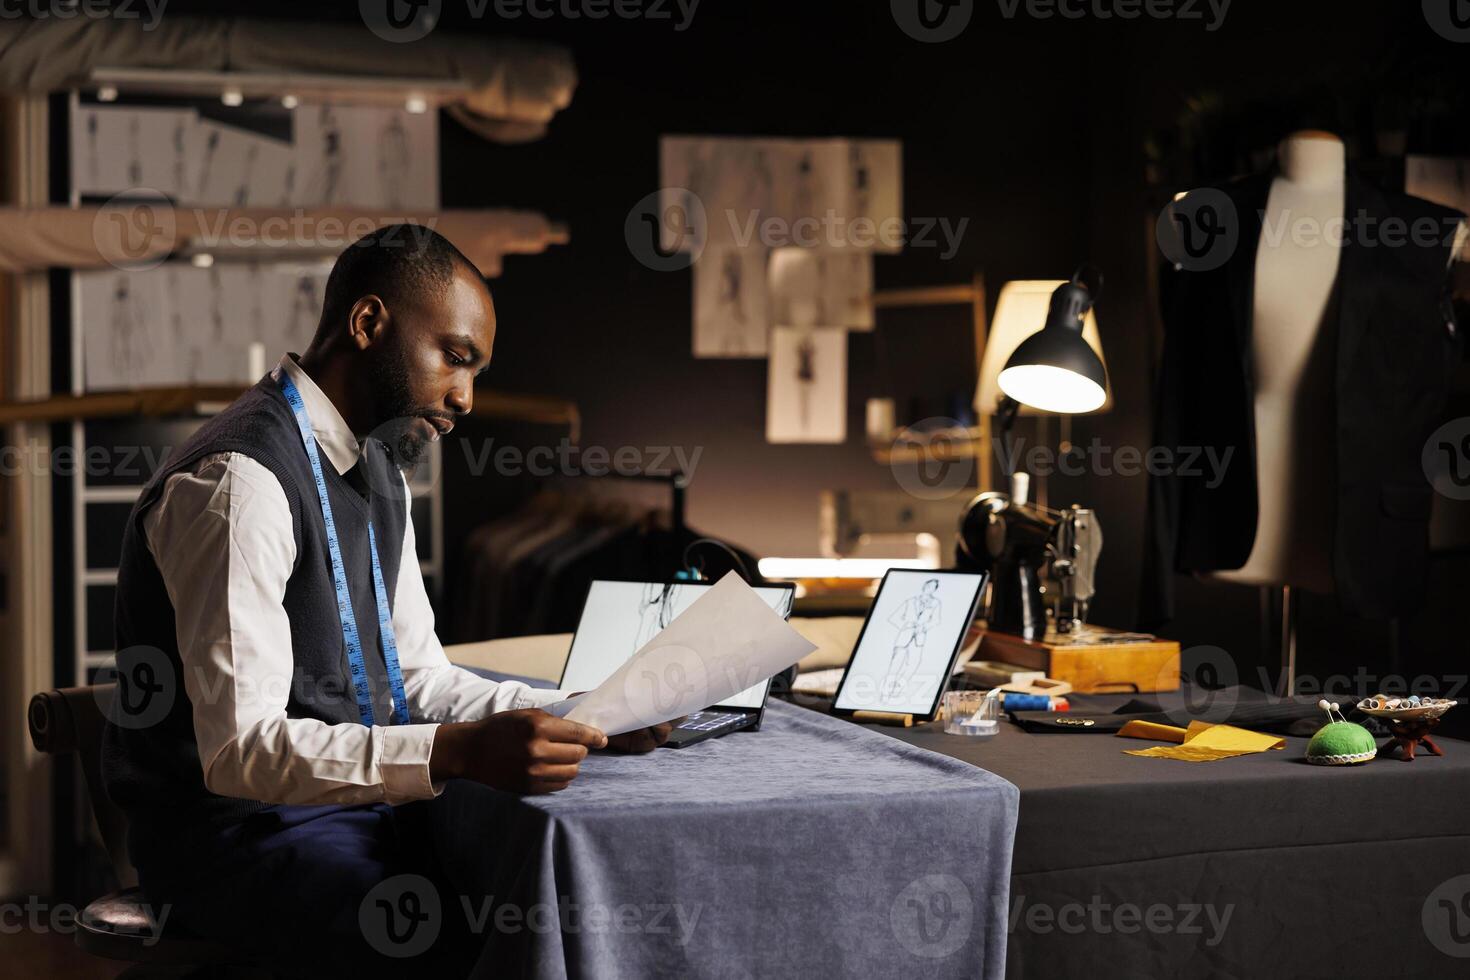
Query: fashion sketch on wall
(730, 303)
(760, 195)
(259, 156)
(181, 324)
(806, 385)
(177, 324)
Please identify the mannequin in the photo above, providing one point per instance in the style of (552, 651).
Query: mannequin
(1292, 359)
(1326, 352)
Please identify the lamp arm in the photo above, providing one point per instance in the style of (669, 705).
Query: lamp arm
(1005, 414)
(1089, 277)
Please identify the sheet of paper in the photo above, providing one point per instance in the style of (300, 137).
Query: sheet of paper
(806, 385)
(726, 641)
(561, 709)
(730, 303)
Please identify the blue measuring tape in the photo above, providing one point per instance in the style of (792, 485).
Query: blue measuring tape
(339, 576)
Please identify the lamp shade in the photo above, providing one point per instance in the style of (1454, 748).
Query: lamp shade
(1020, 313)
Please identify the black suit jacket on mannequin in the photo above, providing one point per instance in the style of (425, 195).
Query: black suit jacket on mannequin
(1395, 349)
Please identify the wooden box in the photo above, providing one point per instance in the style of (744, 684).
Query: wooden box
(1092, 668)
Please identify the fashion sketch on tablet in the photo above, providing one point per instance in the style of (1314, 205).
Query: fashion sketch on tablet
(913, 620)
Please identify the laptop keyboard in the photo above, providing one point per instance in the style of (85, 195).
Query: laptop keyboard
(709, 721)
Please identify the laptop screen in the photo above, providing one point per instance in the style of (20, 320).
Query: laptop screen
(620, 617)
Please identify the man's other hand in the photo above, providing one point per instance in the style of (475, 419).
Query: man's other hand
(642, 739)
(526, 751)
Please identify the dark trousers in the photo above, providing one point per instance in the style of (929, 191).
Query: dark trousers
(322, 891)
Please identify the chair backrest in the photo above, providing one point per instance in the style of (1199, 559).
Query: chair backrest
(70, 720)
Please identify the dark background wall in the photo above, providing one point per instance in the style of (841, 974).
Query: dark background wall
(1036, 131)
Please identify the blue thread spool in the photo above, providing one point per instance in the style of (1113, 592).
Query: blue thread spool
(1028, 702)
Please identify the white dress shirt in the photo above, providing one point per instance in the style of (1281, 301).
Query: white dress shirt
(221, 537)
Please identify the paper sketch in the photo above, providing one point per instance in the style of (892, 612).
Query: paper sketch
(806, 385)
(821, 287)
(730, 307)
(178, 324)
(130, 346)
(876, 188)
(393, 161)
(324, 177)
(119, 148)
(838, 198)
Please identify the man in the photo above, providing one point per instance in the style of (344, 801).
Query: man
(270, 585)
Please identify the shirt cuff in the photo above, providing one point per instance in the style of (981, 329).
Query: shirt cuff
(403, 763)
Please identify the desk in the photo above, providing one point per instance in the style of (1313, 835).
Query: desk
(1322, 871)
(808, 848)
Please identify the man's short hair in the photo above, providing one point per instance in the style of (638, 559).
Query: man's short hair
(400, 263)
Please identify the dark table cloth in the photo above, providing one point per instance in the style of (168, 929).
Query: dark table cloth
(809, 848)
(1252, 867)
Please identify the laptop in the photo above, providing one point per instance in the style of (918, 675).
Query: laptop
(618, 618)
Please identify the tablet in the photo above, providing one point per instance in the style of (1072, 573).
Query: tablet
(907, 649)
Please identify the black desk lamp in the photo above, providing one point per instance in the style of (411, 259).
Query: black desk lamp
(1054, 369)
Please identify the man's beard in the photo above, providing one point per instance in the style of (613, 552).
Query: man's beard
(401, 431)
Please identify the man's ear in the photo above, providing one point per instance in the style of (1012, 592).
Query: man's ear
(367, 322)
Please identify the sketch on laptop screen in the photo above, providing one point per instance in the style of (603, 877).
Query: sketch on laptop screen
(620, 617)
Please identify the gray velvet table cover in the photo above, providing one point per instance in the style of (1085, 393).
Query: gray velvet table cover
(811, 847)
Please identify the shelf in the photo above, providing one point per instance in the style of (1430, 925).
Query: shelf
(938, 445)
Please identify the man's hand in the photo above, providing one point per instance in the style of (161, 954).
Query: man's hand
(526, 751)
(643, 739)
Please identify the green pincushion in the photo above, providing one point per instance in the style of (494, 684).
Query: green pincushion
(1341, 743)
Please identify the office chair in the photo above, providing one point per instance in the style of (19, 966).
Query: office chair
(119, 925)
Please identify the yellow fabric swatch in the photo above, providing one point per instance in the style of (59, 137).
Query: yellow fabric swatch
(1152, 731)
(1204, 742)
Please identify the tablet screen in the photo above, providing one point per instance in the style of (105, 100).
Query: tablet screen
(915, 627)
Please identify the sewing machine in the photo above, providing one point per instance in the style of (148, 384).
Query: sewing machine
(1026, 547)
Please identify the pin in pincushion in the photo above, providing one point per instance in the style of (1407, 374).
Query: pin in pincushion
(1340, 742)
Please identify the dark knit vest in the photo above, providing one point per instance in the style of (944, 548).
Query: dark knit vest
(150, 761)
